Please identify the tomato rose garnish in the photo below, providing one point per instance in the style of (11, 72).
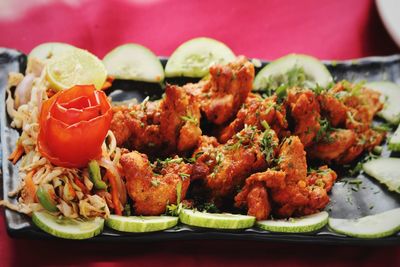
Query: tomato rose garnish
(73, 125)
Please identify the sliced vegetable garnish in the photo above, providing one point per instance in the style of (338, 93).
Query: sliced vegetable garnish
(134, 62)
(394, 141)
(386, 171)
(373, 226)
(75, 67)
(293, 70)
(68, 228)
(47, 51)
(46, 196)
(73, 125)
(390, 95)
(194, 57)
(141, 224)
(95, 175)
(216, 220)
(305, 224)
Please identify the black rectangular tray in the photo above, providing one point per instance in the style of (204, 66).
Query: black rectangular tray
(345, 203)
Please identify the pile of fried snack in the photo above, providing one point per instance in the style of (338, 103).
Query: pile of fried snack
(220, 143)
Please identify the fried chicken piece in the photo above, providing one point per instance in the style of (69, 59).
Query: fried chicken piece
(168, 126)
(305, 111)
(226, 90)
(180, 120)
(152, 188)
(291, 191)
(254, 112)
(223, 168)
(332, 146)
(138, 126)
(333, 109)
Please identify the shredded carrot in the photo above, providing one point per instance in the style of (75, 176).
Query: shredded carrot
(114, 193)
(30, 187)
(107, 84)
(81, 185)
(17, 153)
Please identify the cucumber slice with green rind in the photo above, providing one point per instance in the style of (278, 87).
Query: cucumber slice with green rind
(194, 57)
(390, 95)
(372, 226)
(315, 73)
(305, 224)
(134, 62)
(216, 220)
(46, 51)
(394, 141)
(386, 171)
(141, 224)
(68, 228)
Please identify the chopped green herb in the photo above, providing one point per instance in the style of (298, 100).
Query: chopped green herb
(155, 182)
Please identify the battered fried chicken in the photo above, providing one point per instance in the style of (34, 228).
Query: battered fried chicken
(168, 126)
(305, 110)
(226, 90)
(180, 120)
(153, 187)
(292, 192)
(352, 107)
(223, 168)
(138, 127)
(253, 112)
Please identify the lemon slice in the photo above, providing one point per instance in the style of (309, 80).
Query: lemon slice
(141, 224)
(216, 220)
(67, 228)
(75, 67)
(47, 51)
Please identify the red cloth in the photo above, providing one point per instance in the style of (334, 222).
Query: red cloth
(263, 29)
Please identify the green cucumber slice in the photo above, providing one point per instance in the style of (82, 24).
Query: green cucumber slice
(305, 224)
(46, 51)
(194, 57)
(373, 226)
(390, 95)
(312, 73)
(216, 220)
(134, 62)
(67, 228)
(386, 171)
(141, 224)
(394, 141)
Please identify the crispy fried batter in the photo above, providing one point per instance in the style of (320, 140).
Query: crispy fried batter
(226, 90)
(291, 190)
(254, 112)
(180, 120)
(152, 188)
(225, 167)
(305, 111)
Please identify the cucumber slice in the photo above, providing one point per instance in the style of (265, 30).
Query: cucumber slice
(134, 62)
(194, 57)
(305, 224)
(141, 224)
(313, 72)
(390, 94)
(373, 226)
(67, 228)
(46, 51)
(394, 142)
(386, 171)
(215, 220)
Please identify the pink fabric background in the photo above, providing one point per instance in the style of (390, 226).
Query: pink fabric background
(263, 29)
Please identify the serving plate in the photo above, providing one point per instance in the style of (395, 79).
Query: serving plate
(346, 200)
